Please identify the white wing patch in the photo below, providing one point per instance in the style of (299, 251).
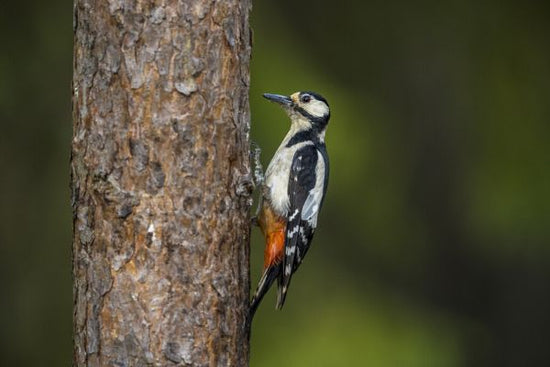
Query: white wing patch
(311, 207)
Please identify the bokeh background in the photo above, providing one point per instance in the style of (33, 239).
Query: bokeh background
(434, 241)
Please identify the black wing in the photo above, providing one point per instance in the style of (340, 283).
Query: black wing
(299, 232)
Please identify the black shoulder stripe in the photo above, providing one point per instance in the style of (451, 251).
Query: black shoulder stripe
(307, 135)
(300, 137)
(318, 121)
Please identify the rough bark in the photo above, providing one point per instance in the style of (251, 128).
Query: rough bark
(160, 178)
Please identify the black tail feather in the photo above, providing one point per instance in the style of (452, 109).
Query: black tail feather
(282, 288)
(269, 275)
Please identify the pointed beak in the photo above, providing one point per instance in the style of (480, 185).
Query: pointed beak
(282, 100)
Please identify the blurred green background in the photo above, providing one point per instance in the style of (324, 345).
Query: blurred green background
(434, 241)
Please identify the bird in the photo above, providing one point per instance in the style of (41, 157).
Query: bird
(294, 188)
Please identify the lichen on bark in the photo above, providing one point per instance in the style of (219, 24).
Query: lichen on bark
(159, 156)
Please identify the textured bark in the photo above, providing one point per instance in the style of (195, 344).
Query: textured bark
(160, 182)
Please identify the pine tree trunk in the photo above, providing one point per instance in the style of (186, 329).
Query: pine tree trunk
(160, 182)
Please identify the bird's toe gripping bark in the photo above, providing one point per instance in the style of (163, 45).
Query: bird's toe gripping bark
(258, 168)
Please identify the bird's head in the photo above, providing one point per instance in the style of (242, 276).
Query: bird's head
(307, 110)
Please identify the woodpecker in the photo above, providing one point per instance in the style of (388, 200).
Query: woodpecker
(293, 192)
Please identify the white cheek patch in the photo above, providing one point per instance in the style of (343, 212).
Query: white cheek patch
(316, 108)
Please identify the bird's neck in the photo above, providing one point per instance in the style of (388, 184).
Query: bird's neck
(302, 135)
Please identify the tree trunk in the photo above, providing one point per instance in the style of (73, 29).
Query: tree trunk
(160, 182)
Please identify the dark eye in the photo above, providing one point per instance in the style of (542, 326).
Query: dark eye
(305, 98)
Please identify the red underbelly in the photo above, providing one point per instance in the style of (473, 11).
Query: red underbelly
(273, 228)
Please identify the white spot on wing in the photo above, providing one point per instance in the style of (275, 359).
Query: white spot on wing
(311, 207)
(293, 231)
(303, 235)
(288, 269)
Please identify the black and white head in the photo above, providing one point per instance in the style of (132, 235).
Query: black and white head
(307, 110)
